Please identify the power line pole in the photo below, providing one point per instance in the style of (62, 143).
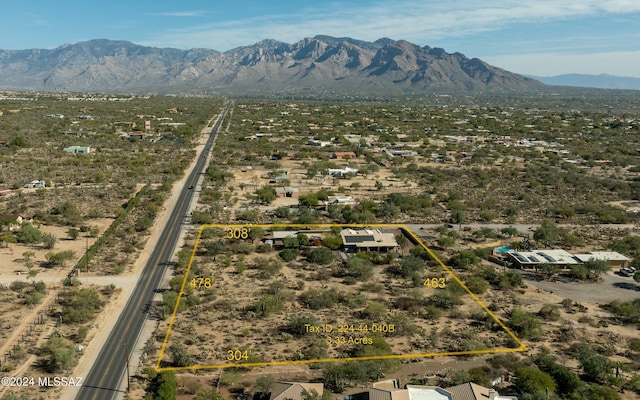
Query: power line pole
(127, 357)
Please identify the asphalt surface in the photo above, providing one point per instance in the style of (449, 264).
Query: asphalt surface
(105, 377)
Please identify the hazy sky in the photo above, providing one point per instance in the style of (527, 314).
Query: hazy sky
(539, 37)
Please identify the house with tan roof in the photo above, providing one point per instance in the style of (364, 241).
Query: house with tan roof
(294, 390)
(472, 391)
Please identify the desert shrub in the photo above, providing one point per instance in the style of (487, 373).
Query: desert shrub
(527, 325)
(627, 312)
(296, 325)
(412, 265)
(550, 312)
(477, 284)
(58, 353)
(80, 305)
(360, 269)
(288, 254)
(180, 357)
(28, 234)
(444, 300)
(267, 266)
(269, 304)
(49, 241)
(317, 299)
(375, 311)
(321, 256)
(510, 279)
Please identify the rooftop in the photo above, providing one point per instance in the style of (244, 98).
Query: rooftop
(367, 238)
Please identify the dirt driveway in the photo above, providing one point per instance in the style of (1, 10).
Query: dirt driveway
(612, 287)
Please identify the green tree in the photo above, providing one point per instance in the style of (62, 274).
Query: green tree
(567, 381)
(60, 258)
(596, 368)
(7, 237)
(264, 384)
(266, 194)
(460, 378)
(167, 386)
(69, 211)
(80, 306)
(526, 324)
(291, 242)
(464, 260)
(321, 256)
(534, 381)
(548, 269)
(332, 242)
(412, 265)
(480, 376)
(547, 233)
(59, 354)
(309, 200)
(477, 284)
(597, 267)
(288, 254)
(359, 268)
(29, 234)
(579, 272)
(599, 392)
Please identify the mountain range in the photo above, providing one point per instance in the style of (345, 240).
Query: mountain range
(318, 64)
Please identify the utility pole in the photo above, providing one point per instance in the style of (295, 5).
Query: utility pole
(86, 254)
(127, 357)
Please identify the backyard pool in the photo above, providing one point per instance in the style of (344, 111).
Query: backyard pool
(504, 249)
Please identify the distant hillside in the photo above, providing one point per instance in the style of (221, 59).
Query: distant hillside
(322, 63)
(602, 81)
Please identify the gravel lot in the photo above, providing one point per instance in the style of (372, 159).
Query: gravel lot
(612, 287)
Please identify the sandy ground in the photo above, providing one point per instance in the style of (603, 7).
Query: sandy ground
(107, 319)
(12, 268)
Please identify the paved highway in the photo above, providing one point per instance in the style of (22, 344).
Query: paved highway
(104, 378)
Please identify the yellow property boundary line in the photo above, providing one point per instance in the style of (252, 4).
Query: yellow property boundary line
(522, 347)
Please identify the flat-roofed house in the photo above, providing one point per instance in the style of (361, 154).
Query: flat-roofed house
(368, 240)
(564, 259)
(614, 259)
(530, 259)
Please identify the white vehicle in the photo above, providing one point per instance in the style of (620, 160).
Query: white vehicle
(626, 272)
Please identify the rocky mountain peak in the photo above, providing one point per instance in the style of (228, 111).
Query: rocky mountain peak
(326, 62)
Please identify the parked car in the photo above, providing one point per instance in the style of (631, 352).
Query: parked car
(626, 272)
